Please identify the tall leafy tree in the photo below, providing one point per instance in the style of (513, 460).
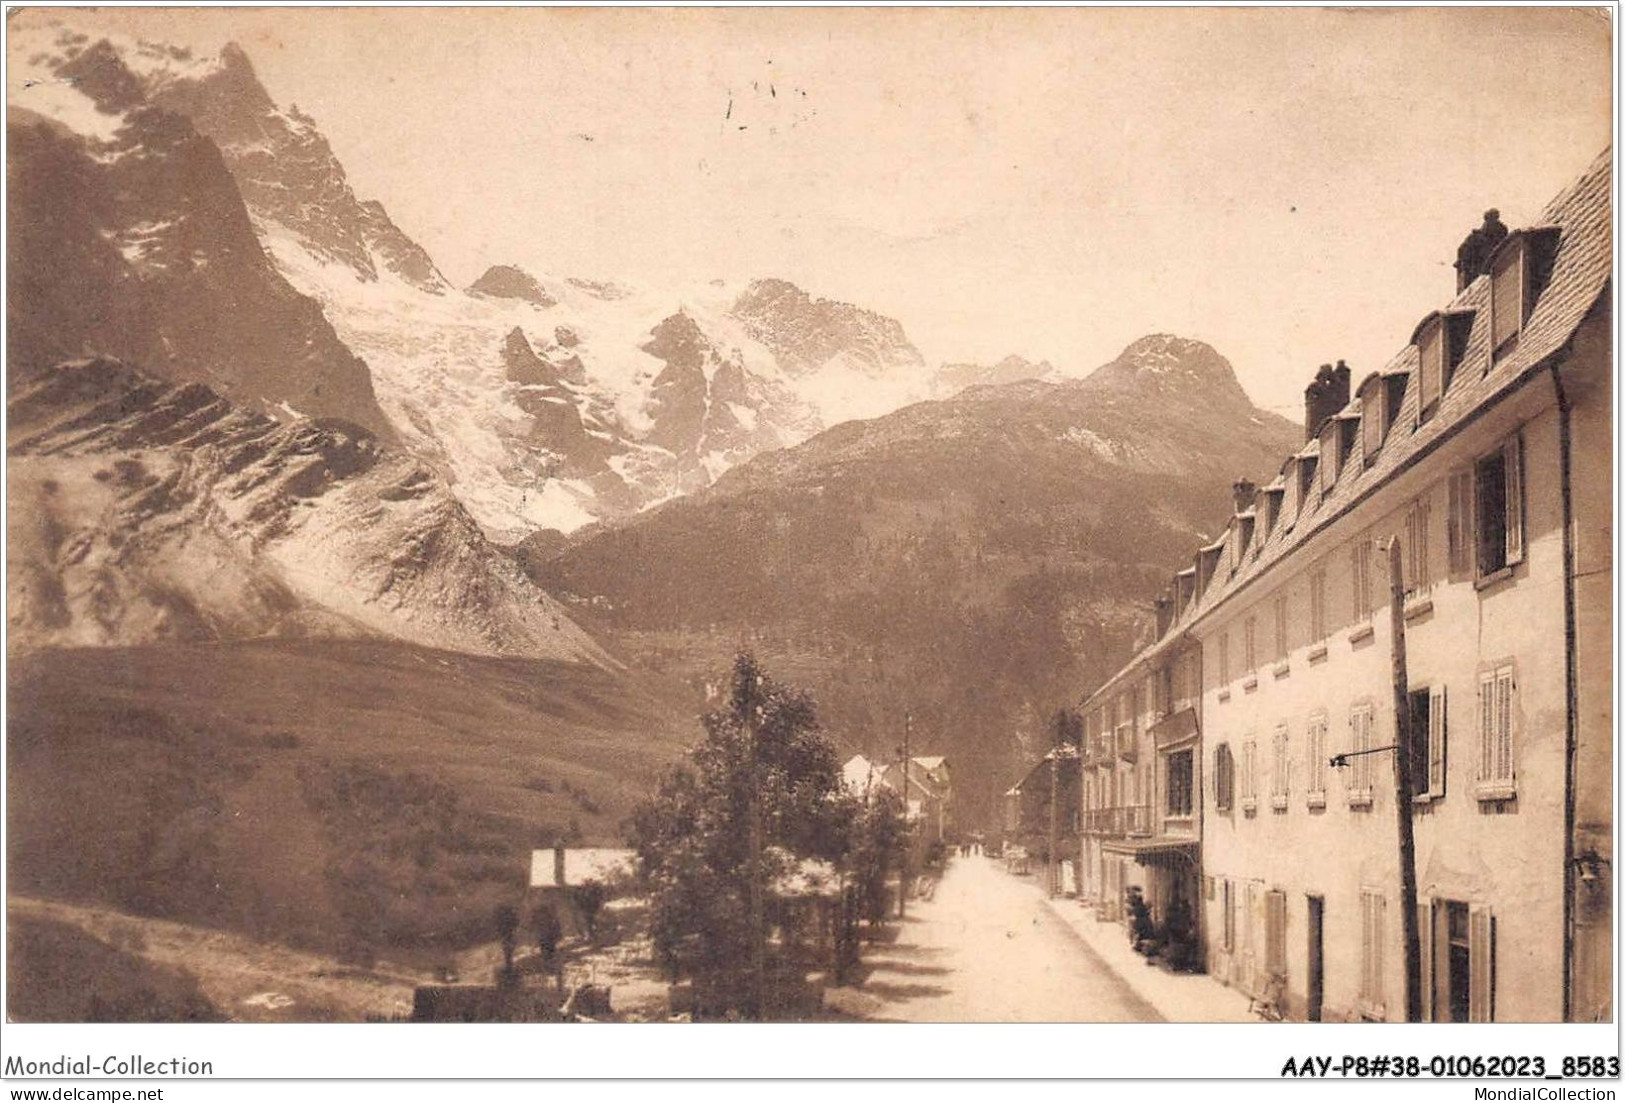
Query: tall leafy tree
(693, 836)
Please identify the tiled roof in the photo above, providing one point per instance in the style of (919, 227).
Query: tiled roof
(1583, 263)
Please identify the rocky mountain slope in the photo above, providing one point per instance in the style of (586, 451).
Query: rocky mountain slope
(128, 239)
(985, 558)
(671, 386)
(143, 510)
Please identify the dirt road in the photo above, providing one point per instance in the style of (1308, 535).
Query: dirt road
(985, 948)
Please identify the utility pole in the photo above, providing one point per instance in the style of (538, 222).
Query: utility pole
(1054, 862)
(753, 817)
(1402, 783)
(902, 865)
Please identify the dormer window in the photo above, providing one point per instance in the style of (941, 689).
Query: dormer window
(1306, 480)
(1185, 588)
(1373, 419)
(1347, 428)
(1328, 455)
(1393, 394)
(1272, 508)
(1380, 400)
(1242, 527)
(1207, 561)
(1440, 341)
(1519, 271)
(1336, 442)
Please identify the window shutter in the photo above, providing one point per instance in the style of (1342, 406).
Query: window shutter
(1512, 450)
(1481, 959)
(1424, 927)
(1424, 520)
(1275, 933)
(1461, 523)
(1432, 367)
(1412, 519)
(1506, 298)
(1436, 738)
(1371, 427)
(1503, 724)
(1486, 726)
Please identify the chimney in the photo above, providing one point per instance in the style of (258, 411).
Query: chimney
(1473, 255)
(558, 864)
(1244, 490)
(1165, 615)
(1325, 395)
(1340, 386)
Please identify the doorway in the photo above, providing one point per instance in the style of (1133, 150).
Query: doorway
(1317, 957)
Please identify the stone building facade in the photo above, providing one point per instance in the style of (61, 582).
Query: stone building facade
(1482, 451)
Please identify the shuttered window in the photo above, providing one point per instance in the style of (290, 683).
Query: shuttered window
(1280, 770)
(1360, 573)
(1317, 604)
(1418, 519)
(1459, 534)
(1282, 649)
(1507, 298)
(1315, 774)
(1224, 778)
(1275, 933)
(1362, 767)
(1250, 643)
(1437, 733)
(1497, 709)
(1499, 502)
(1373, 914)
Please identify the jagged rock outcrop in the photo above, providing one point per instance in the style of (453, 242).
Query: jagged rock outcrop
(133, 241)
(806, 333)
(144, 510)
(288, 175)
(504, 281)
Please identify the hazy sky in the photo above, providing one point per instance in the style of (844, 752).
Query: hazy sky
(1289, 185)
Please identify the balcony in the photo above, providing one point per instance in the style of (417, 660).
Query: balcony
(1114, 823)
(1137, 819)
(1103, 821)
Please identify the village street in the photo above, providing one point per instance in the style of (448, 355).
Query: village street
(986, 948)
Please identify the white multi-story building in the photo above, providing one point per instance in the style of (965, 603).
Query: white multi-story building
(1484, 450)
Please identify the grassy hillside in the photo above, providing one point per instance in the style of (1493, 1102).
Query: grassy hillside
(354, 797)
(59, 974)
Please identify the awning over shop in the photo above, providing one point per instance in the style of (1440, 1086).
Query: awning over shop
(1174, 729)
(1158, 851)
